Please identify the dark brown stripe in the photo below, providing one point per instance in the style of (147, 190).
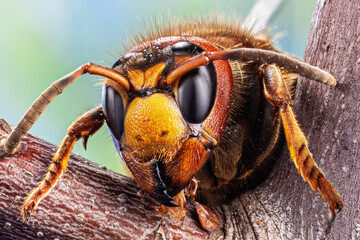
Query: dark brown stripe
(47, 182)
(57, 89)
(57, 164)
(53, 173)
(43, 96)
(314, 173)
(306, 169)
(301, 149)
(38, 193)
(306, 160)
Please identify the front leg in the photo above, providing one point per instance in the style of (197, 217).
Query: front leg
(83, 127)
(277, 94)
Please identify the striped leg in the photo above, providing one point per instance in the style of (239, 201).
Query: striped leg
(83, 127)
(278, 95)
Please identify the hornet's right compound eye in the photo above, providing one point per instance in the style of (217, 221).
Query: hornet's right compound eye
(113, 107)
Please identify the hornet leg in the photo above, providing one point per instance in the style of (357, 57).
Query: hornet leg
(278, 95)
(83, 127)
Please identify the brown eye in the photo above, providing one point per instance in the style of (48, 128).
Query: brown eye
(113, 108)
(196, 93)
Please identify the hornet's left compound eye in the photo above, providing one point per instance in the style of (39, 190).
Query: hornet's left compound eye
(114, 112)
(196, 94)
(197, 88)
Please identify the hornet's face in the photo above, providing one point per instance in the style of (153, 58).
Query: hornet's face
(165, 132)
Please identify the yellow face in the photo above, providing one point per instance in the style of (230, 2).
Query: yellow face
(154, 127)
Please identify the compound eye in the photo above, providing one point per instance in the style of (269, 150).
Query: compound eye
(113, 107)
(186, 48)
(197, 88)
(118, 63)
(196, 93)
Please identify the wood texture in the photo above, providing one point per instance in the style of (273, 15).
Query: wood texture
(90, 202)
(285, 207)
(93, 203)
(330, 117)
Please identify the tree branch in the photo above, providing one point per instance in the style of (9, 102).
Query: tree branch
(89, 202)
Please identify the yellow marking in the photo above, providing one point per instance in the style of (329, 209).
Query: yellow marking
(152, 75)
(154, 126)
(136, 78)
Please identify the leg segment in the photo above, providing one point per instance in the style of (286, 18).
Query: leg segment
(191, 189)
(278, 95)
(83, 127)
(209, 220)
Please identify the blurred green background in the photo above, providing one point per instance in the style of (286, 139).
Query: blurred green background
(43, 40)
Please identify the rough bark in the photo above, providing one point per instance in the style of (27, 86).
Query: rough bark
(90, 202)
(284, 207)
(331, 117)
(93, 203)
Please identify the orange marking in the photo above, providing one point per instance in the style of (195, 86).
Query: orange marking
(152, 75)
(136, 78)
